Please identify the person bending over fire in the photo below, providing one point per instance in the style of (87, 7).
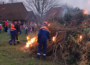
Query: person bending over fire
(43, 35)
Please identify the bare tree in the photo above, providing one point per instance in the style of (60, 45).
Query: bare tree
(40, 7)
(12, 11)
(1, 1)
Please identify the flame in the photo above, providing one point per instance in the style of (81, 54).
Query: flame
(27, 44)
(33, 40)
(85, 11)
(30, 42)
(88, 2)
(81, 37)
(54, 38)
(28, 37)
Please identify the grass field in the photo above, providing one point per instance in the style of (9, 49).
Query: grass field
(12, 55)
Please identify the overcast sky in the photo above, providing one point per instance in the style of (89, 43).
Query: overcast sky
(83, 4)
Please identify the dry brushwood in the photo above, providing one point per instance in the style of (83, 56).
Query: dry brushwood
(67, 45)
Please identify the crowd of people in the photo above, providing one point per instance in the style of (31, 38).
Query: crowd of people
(24, 28)
(17, 28)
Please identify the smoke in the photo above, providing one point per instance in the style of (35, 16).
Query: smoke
(64, 10)
(82, 4)
(67, 8)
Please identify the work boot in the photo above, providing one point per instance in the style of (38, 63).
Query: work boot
(44, 57)
(18, 42)
(14, 43)
(38, 57)
(10, 43)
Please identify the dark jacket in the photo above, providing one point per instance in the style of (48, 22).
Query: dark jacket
(43, 34)
(3, 24)
(17, 27)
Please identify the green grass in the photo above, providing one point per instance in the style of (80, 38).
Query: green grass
(12, 55)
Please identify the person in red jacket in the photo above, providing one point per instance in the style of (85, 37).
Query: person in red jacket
(0, 28)
(6, 25)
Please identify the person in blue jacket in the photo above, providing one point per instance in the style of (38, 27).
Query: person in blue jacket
(43, 35)
(13, 33)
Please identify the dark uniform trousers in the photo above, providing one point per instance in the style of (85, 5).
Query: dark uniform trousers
(17, 30)
(17, 39)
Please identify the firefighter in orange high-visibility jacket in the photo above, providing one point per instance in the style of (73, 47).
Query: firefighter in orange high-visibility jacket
(13, 33)
(43, 35)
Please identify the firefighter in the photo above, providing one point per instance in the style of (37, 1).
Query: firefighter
(43, 35)
(13, 33)
(17, 31)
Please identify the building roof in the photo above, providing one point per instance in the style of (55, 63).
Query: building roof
(17, 11)
(53, 12)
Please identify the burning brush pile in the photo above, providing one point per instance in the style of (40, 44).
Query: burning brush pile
(33, 45)
(71, 45)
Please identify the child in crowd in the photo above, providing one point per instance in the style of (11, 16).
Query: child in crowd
(31, 30)
(0, 28)
(26, 30)
(13, 32)
(20, 29)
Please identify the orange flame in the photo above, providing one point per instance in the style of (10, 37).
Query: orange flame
(88, 2)
(54, 38)
(30, 42)
(85, 12)
(81, 37)
(28, 38)
(33, 40)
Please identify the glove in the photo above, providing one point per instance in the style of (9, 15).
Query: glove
(38, 40)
